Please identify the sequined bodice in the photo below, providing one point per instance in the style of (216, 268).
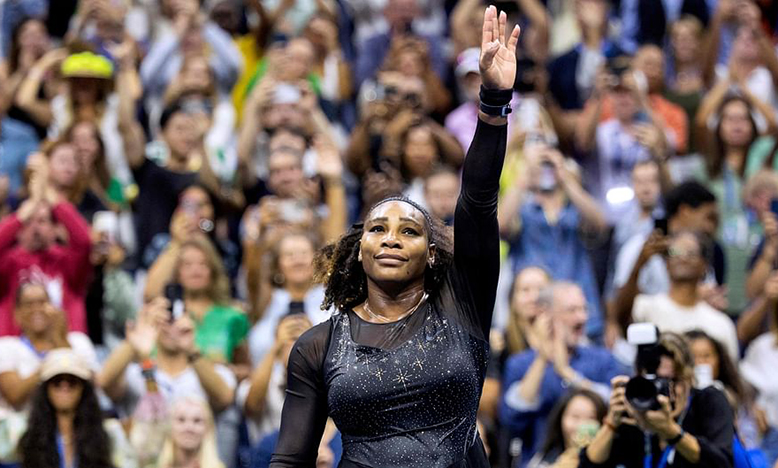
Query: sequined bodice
(412, 406)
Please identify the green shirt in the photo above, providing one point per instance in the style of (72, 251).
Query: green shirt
(758, 154)
(220, 331)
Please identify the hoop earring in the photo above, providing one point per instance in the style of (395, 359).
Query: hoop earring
(359, 256)
(279, 279)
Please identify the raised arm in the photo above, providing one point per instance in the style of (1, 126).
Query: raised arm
(476, 233)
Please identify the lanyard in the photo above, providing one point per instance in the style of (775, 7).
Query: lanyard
(669, 451)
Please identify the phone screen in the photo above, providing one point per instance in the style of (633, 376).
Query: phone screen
(661, 224)
(774, 206)
(174, 293)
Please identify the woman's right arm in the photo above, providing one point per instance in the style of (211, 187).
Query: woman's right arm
(305, 408)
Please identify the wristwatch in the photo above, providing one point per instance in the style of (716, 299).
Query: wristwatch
(672, 442)
(495, 102)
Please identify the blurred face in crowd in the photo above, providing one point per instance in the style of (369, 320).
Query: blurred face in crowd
(38, 233)
(227, 16)
(299, 59)
(580, 410)
(395, 244)
(85, 91)
(196, 74)
(645, 182)
(64, 166)
(591, 12)
(295, 259)
(86, 143)
(179, 135)
(172, 335)
(684, 259)
(285, 172)
(441, 192)
(64, 392)
(192, 42)
(704, 218)
(284, 137)
(745, 48)
(33, 37)
(570, 309)
(685, 41)
(650, 61)
(194, 271)
(409, 63)
(33, 310)
(705, 354)
(736, 130)
(402, 92)
(284, 115)
(188, 425)
(526, 290)
(196, 202)
(420, 152)
(400, 13)
(625, 105)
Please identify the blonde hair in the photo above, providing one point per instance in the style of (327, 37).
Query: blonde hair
(219, 289)
(208, 457)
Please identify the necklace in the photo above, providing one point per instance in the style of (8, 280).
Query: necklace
(383, 319)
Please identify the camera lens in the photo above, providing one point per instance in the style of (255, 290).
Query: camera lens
(641, 393)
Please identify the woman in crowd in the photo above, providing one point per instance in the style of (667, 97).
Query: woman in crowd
(66, 426)
(421, 315)
(287, 288)
(192, 439)
(195, 265)
(22, 130)
(572, 424)
(685, 85)
(736, 129)
(43, 329)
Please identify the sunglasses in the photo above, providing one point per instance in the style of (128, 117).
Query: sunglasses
(70, 380)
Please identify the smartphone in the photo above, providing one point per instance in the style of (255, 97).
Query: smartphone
(106, 222)
(174, 293)
(642, 117)
(661, 224)
(774, 206)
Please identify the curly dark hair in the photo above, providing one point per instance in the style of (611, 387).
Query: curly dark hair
(345, 282)
(38, 446)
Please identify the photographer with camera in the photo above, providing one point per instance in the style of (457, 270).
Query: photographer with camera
(658, 418)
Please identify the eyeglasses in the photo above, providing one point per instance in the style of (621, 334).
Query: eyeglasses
(685, 254)
(70, 380)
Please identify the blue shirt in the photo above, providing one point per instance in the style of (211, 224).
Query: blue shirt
(594, 363)
(558, 248)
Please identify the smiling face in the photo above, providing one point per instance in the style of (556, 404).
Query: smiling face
(188, 425)
(395, 244)
(526, 290)
(580, 410)
(31, 310)
(569, 308)
(85, 140)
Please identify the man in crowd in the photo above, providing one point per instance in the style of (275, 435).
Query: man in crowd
(560, 358)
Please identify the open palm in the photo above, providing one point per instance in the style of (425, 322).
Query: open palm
(498, 51)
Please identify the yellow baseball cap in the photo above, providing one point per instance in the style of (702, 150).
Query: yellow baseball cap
(87, 65)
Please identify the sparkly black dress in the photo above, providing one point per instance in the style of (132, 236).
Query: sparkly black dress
(405, 394)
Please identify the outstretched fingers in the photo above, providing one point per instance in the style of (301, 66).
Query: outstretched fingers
(513, 40)
(502, 21)
(487, 34)
(495, 25)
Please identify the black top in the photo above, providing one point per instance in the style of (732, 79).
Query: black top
(405, 394)
(709, 419)
(159, 189)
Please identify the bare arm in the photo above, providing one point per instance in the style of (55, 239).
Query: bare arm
(162, 270)
(111, 377)
(27, 92)
(710, 48)
(260, 380)
(219, 393)
(129, 88)
(16, 390)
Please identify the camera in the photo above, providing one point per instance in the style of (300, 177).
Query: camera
(643, 389)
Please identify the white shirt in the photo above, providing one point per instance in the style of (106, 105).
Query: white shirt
(669, 316)
(758, 369)
(16, 356)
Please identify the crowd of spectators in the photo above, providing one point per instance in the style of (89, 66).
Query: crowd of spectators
(169, 170)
